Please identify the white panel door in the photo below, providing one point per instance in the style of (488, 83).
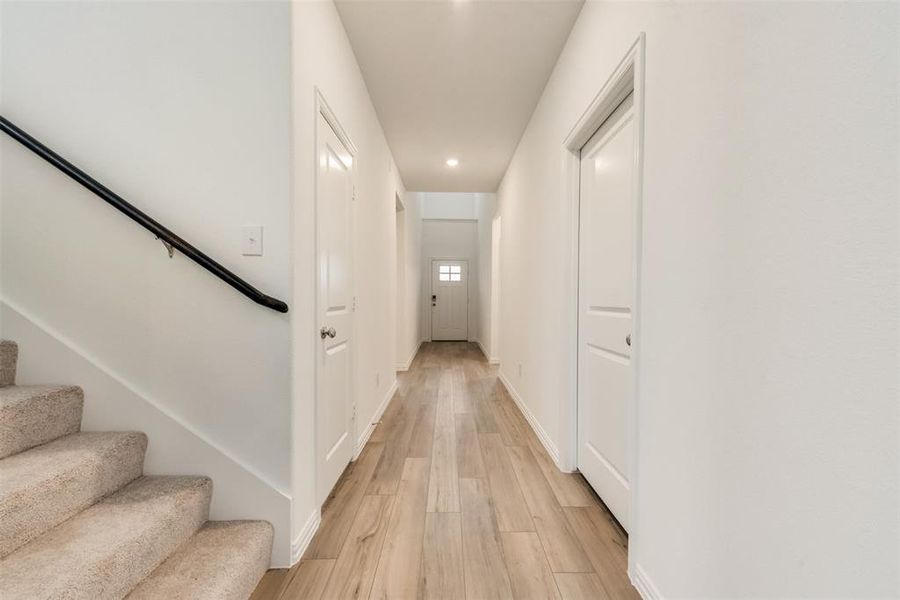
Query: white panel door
(606, 288)
(334, 336)
(449, 300)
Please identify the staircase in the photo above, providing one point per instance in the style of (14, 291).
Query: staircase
(79, 520)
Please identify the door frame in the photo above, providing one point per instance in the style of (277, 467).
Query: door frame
(626, 78)
(322, 108)
(427, 297)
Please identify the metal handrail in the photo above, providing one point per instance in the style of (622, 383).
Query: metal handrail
(165, 235)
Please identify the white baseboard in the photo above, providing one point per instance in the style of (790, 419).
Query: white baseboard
(367, 432)
(176, 448)
(491, 360)
(405, 366)
(643, 584)
(305, 536)
(551, 448)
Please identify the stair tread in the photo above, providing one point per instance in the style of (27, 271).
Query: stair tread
(104, 551)
(43, 486)
(31, 415)
(223, 561)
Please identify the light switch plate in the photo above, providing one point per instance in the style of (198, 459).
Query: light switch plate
(251, 240)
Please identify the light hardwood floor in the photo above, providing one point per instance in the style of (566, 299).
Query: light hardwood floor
(455, 497)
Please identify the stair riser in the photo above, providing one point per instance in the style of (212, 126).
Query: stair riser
(27, 513)
(9, 353)
(41, 419)
(223, 561)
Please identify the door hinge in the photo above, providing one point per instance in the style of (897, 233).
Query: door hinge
(354, 193)
(354, 304)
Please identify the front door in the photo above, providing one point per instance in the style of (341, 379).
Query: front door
(334, 334)
(449, 300)
(605, 303)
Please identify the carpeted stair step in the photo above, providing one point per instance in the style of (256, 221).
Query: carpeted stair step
(42, 487)
(223, 561)
(31, 415)
(105, 551)
(9, 352)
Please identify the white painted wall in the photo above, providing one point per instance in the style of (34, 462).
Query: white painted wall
(449, 205)
(768, 450)
(322, 58)
(409, 306)
(486, 207)
(496, 277)
(184, 109)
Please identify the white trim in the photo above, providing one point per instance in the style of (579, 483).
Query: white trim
(305, 536)
(627, 77)
(324, 109)
(551, 448)
(643, 584)
(405, 366)
(364, 437)
(491, 361)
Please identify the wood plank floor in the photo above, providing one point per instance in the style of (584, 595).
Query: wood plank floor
(455, 497)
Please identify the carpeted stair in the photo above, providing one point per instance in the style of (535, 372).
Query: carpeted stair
(79, 520)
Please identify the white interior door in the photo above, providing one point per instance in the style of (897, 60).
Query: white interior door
(449, 300)
(334, 393)
(606, 289)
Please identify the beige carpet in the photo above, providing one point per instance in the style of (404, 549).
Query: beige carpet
(78, 520)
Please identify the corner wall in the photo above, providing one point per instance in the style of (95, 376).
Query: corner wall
(767, 458)
(488, 291)
(409, 308)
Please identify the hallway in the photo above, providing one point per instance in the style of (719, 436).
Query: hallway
(455, 497)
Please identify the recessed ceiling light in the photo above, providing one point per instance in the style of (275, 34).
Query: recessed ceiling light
(452, 162)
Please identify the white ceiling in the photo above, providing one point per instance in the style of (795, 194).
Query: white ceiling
(456, 78)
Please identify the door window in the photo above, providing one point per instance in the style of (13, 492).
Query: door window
(450, 273)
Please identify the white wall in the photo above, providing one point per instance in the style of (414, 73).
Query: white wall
(323, 58)
(409, 306)
(449, 205)
(486, 207)
(184, 109)
(496, 277)
(768, 449)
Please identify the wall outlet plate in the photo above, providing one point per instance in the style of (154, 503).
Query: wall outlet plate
(251, 240)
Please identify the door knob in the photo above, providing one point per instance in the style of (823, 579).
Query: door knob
(327, 332)
(628, 339)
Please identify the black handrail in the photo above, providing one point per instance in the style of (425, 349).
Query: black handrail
(171, 241)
